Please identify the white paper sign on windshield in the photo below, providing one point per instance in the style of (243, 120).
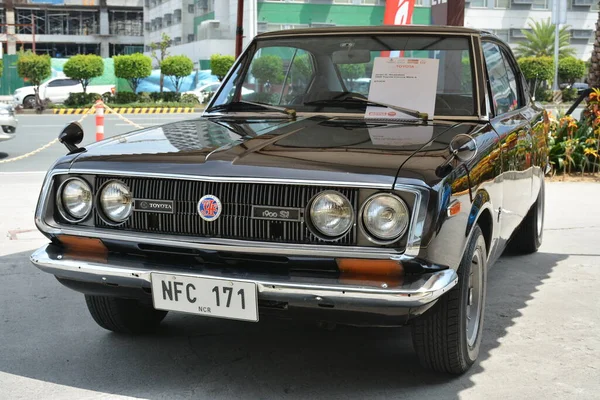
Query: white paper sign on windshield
(405, 82)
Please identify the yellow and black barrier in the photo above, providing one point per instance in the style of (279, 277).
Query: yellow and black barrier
(133, 110)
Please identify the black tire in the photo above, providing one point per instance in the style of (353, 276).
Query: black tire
(29, 102)
(441, 337)
(527, 239)
(124, 315)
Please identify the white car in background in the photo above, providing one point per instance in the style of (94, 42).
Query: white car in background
(8, 122)
(56, 90)
(205, 92)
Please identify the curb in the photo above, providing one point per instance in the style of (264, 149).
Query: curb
(131, 110)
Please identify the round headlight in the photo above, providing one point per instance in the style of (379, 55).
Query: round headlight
(116, 201)
(331, 214)
(74, 199)
(385, 217)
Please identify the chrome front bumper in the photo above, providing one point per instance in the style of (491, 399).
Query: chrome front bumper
(131, 272)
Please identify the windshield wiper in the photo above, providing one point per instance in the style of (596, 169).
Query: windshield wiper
(290, 112)
(413, 113)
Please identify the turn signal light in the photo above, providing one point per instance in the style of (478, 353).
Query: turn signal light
(454, 208)
(78, 245)
(363, 267)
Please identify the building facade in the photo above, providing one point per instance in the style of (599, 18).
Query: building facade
(172, 17)
(212, 29)
(62, 28)
(507, 19)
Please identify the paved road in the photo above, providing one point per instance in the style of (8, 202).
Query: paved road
(36, 130)
(541, 336)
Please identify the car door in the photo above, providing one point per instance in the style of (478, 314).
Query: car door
(514, 130)
(59, 89)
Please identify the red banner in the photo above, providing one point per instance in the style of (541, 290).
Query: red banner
(398, 12)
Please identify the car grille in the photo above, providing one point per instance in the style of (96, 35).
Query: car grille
(235, 221)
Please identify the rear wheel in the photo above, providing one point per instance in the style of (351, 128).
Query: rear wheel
(448, 336)
(527, 238)
(124, 315)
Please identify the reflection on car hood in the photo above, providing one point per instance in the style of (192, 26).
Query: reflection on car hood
(316, 148)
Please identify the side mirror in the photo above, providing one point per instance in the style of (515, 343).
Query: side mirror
(71, 136)
(463, 147)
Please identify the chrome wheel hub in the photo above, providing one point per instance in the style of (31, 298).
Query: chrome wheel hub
(540, 215)
(474, 297)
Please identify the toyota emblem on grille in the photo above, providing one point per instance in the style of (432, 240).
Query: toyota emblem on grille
(209, 207)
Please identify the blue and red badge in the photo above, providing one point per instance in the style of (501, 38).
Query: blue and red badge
(209, 207)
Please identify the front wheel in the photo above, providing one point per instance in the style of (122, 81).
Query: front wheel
(447, 337)
(124, 315)
(29, 102)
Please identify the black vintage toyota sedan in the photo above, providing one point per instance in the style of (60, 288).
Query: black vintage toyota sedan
(301, 192)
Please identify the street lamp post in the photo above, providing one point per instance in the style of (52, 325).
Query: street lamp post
(559, 16)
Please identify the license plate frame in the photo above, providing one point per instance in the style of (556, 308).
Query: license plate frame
(237, 300)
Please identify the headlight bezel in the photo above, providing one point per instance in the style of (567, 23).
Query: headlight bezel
(316, 231)
(365, 230)
(59, 201)
(100, 208)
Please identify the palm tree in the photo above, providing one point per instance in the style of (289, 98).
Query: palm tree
(594, 72)
(540, 40)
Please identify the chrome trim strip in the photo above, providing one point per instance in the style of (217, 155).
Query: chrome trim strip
(234, 245)
(427, 289)
(229, 179)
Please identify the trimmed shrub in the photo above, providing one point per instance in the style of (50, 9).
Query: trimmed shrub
(569, 94)
(189, 98)
(81, 99)
(166, 97)
(124, 98)
(84, 67)
(133, 68)
(177, 68)
(220, 65)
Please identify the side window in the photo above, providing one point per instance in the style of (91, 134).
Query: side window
(512, 80)
(63, 82)
(502, 82)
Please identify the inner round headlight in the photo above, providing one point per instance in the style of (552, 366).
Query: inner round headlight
(116, 201)
(331, 214)
(75, 199)
(385, 217)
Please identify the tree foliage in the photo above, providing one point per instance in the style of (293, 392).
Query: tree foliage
(133, 68)
(34, 68)
(351, 72)
(540, 40)
(177, 68)
(540, 68)
(84, 67)
(220, 65)
(570, 69)
(1, 66)
(162, 46)
(268, 68)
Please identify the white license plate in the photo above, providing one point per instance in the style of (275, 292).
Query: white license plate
(219, 298)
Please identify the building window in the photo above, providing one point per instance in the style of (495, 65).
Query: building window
(503, 34)
(2, 21)
(540, 5)
(191, 8)
(58, 22)
(478, 4)
(501, 3)
(191, 38)
(126, 23)
(204, 7)
(177, 16)
(177, 40)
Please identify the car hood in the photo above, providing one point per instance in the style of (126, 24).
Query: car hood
(306, 149)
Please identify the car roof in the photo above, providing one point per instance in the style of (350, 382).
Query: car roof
(339, 30)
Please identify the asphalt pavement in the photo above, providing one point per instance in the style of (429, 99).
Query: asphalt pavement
(540, 341)
(35, 131)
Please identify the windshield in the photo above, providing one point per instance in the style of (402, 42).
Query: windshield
(329, 73)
